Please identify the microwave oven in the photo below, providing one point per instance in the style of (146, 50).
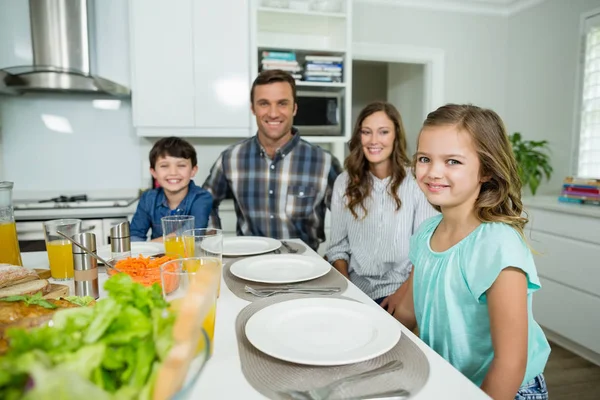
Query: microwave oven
(319, 113)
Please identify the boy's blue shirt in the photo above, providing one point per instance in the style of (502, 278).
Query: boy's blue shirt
(153, 205)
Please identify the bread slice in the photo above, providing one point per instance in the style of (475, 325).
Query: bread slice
(14, 274)
(31, 287)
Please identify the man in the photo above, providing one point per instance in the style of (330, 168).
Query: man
(281, 184)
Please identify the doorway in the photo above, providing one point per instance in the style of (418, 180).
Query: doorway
(401, 84)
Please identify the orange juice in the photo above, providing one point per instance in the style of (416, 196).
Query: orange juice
(176, 246)
(60, 257)
(193, 265)
(208, 324)
(9, 245)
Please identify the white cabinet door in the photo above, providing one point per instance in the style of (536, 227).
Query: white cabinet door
(222, 66)
(162, 63)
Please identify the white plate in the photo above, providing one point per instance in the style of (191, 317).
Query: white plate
(280, 268)
(144, 248)
(323, 331)
(234, 246)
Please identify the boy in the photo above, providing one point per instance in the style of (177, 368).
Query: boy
(173, 164)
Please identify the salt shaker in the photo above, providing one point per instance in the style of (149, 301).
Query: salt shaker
(120, 241)
(85, 266)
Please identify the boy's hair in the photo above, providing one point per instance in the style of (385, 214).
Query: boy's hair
(174, 147)
(272, 76)
(357, 165)
(500, 197)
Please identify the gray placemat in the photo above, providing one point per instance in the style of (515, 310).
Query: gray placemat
(236, 285)
(269, 375)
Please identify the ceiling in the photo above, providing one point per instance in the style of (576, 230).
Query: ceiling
(489, 7)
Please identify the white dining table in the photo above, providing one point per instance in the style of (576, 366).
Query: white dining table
(222, 377)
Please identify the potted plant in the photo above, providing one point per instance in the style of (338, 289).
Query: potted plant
(533, 160)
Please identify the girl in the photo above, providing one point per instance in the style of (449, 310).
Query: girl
(473, 278)
(376, 206)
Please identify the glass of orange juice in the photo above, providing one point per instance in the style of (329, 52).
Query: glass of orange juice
(177, 278)
(60, 255)
(173, 227)
(204, 242)
(9, 244)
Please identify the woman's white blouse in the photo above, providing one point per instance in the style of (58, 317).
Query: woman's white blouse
(376, 246)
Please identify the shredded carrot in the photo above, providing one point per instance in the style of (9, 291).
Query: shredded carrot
(142, 269)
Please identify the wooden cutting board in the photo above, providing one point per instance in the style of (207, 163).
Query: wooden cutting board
(43, 273)
(57, 291)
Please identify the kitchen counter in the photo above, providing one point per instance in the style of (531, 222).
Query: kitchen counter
(83, 213)
(551, 203)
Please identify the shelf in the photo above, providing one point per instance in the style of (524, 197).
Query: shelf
(301, 12)
(321, 84)
(305, 49)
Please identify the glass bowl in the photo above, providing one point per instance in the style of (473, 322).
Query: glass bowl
(192, 374)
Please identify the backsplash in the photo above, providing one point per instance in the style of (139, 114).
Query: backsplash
(66, 144)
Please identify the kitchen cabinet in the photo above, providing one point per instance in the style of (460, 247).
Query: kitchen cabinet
(190, 68)
(567, 249)
(162, 63)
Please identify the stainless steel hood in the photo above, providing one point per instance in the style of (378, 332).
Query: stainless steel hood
(62, 52)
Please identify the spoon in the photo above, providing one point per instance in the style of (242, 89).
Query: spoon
(82, 247)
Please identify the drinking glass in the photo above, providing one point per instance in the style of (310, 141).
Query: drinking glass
(205, 242)
(198, 274)
(173, 227)
(60, 255)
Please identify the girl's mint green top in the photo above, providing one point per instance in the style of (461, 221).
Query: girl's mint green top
(450, 295)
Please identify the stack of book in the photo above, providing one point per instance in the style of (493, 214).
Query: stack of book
(581, 191)
(323, 68)
(283, 60)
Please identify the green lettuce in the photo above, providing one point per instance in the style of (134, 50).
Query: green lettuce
(109, 351)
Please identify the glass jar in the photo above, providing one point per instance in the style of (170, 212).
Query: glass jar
(9, 245)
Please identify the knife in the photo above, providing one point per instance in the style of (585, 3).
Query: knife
(318, 288)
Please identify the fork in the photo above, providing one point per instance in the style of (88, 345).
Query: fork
(289, 248)
(271, 292)
(323, 392)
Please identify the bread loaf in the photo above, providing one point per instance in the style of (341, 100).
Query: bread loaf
(14, 274)
(31, 287)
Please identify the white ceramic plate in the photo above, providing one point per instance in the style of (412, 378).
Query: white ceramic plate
(280, 268)
(235, 246)
(144, 248)
(323, 331)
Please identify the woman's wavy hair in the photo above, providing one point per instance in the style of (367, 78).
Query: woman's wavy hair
(500, 196)
(357, 165)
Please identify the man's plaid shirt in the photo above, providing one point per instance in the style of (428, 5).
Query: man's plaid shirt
(282, 198)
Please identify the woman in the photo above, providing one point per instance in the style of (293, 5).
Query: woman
(376, 206)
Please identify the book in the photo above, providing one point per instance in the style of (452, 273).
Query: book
(279, 55)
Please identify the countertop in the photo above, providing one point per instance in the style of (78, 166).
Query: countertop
(83, 213)
(551, 203)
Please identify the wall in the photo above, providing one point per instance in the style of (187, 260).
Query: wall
(543, 45)
(406, 90)
(40, 159)
(474, 46)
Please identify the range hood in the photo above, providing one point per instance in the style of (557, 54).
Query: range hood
(62, 51)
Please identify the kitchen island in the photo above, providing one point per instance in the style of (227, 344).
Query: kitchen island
(222, 378)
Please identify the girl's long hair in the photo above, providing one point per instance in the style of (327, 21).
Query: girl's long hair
(499, 199)
(357, 165)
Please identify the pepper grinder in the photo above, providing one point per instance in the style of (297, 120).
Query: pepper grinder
(120, 241)
(85, 266)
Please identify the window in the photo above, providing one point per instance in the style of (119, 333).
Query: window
(588, 161)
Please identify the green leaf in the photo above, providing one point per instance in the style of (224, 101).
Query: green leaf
(36, 299)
